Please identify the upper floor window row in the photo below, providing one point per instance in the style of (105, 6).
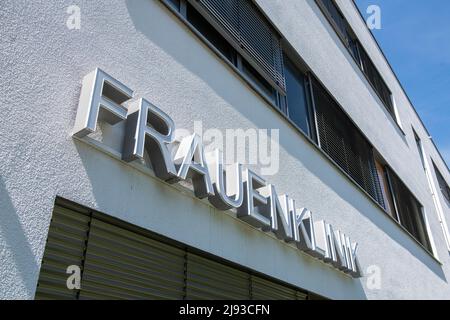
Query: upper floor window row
(307, 104)
(357, 51)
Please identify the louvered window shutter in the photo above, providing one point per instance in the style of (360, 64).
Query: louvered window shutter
(66, 245)
(263, 289)
(445, 189)
(342, 141)
(409, 211)
(210, 280)
(241, 22)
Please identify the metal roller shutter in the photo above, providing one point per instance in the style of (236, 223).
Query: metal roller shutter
(344, 143)
(263, 289)
(121, 264)
(66, 244)
(120, 261)
(445, 189)
(209, 280)
(251, 34)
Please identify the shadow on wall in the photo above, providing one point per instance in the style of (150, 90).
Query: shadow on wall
(15, 250)
(146, 23)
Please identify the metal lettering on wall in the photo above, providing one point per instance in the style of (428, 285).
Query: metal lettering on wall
(256, 202)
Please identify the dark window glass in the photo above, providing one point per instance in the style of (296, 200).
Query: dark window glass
(345, 144)
(257, 79)
(211, 34)
(442, 184)
(377, 81)
(251, 34)
(354, 50)
(409, 211)
(297, 104)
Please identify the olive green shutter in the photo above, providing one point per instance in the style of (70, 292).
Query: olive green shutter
(210, 280)
(263, 289)
(65, 246)
(121, 264)
(119, 261)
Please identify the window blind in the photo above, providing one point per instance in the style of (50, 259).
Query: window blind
(344, 143)
(251, 34)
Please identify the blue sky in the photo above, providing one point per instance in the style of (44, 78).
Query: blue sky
(415, 37)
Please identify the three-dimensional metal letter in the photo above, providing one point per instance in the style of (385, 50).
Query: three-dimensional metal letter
(191, 163)
(280, 215)
(304, 231)
(100, 100)
(254, 205)
(228, 184)
(149, 128)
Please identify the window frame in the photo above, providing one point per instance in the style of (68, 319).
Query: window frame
(386, 188)
(432, 187)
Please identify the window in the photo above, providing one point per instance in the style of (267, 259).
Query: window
(336, 16)
(432, 186)
(298, 108)
(211, 34)
(219, 38)
(377, 81)
(243, 36)
(409, 211)
(257, 79)
(445, 189)
(345, 144)
(401, 204)
(338, 21)
(250, 33)
(121, 261)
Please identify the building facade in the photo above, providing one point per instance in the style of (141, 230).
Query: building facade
(95, 180)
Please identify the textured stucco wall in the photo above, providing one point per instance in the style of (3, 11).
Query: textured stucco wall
(143, 45)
